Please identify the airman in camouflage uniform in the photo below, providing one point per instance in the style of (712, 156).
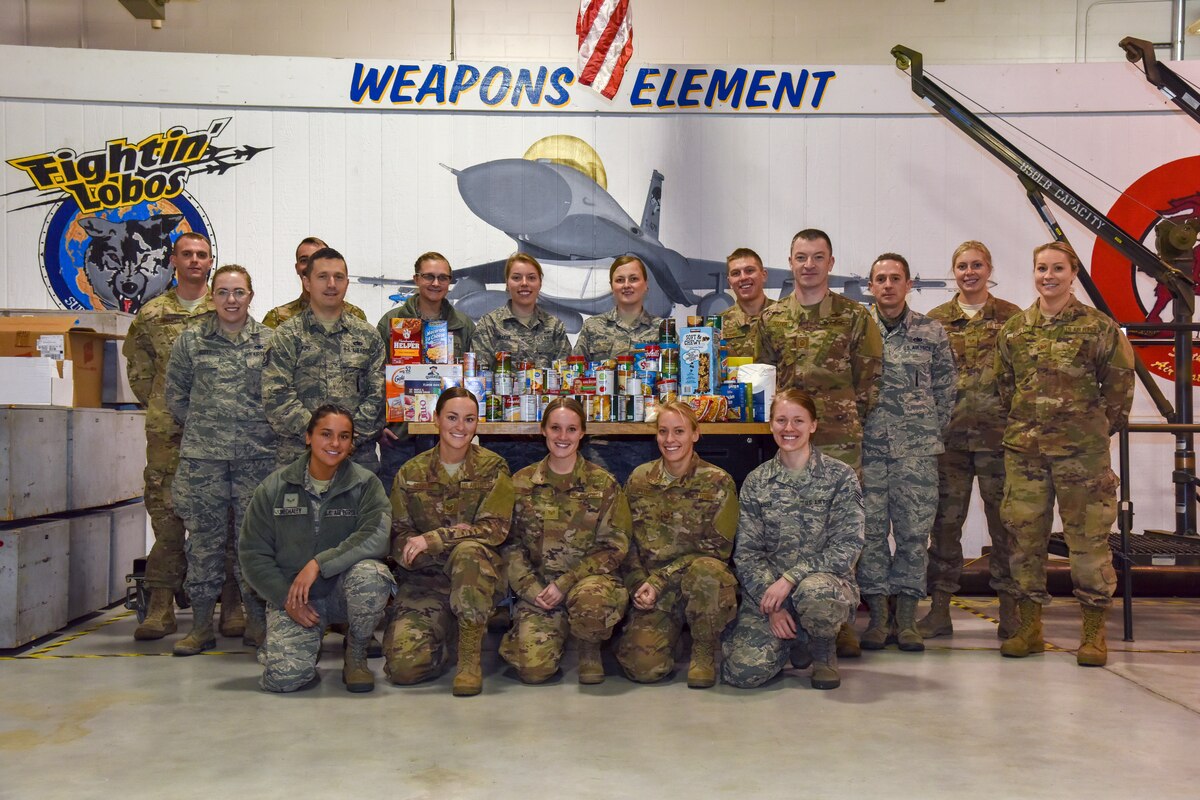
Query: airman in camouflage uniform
(308, 365)
(214, 390)
(900, 445)
(683, 532)
(345, 530)
(832, 351)
(805, 526)
(395, 445)
(608, 336)
(572, 531)
(746, 277)
(1067, 384)
(973, 450)
(147, 349)
(464, 518)
(281, 314)
(543, 340)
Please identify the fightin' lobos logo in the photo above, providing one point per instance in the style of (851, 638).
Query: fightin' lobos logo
(1172, 191)
(116, 212)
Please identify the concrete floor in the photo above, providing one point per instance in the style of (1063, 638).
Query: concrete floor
(90, 713)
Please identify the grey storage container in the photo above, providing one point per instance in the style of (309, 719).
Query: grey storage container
(33, 461)
(91, 546)
(128, 542)
(34, 565)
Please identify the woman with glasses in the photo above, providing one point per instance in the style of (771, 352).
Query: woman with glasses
(520, 327)
(213, 388)
(432, 276)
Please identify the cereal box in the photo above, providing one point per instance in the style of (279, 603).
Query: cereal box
(698, 365)
(406, 341)
(438, 343)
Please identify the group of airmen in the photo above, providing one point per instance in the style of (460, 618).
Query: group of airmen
(261, 444)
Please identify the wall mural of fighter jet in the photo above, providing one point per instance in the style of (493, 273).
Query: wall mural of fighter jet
(554, 204)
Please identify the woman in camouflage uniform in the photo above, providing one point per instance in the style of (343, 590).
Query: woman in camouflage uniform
(213, 389)
(451, 508)
(685, 514)
(972, 319)
(570, 533)
(800, 532)
(525, 330)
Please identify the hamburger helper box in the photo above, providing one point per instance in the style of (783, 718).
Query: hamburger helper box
(698, 364)
(407, 336)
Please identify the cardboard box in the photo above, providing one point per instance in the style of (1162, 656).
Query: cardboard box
(115, 323)
(699, 369)
(36, 382)
(438, 344)
(740, 399)
(115, 376)
(61, 338)
(431, 378)
(419, 407)
(407, 336)
(393, 392)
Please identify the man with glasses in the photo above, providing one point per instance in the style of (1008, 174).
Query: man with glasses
(324, 355)
(281, 314)
(432, 275)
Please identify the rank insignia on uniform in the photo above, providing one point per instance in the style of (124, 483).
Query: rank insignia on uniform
(291, 500)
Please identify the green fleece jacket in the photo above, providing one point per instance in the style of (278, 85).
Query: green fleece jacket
(287, 525)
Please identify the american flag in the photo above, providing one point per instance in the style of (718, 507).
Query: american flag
(605, 29)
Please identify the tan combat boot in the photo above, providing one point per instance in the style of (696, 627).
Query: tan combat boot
(908, 638)
(1028, 638)
(355, 673)
(233, 616)
(876, 635)
(847, 642)
(702, 670)
(468, 681)
(160, 617)
(937, 622)
(1010, 617)
(824, 674)
(200, 637)
(1093, 648)
(591, 668)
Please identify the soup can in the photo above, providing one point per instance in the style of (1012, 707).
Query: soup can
(503, 383)
(512, 408)
(633, 386)
(606, 382)
(529, 408)
(602, 408)
(470, 365)
(494, 405)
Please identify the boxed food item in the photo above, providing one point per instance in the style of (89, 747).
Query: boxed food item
(478, 385)
(419, 407)
(393, 390)
(698, 365)
(740, 399)
(406, 341)
(438, 344)
(708, 407)
(761, 378)
(431, 378)
(733, 363)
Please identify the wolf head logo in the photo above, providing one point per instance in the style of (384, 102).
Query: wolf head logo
(128, 262)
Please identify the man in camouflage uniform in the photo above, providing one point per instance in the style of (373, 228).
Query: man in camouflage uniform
(804, 526)
(746, 276)
(972, 320)
(324, 355)
(900, 446)
(826, 345)
(281, 314)
(213, 391)
(573, 531)
(683, 530)
(147, 348)
(1065, 375)
(463, 517)
(338, 534)
(432, 275)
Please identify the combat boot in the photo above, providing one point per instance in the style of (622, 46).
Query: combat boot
(591, 668)
(908, 638)
(200, 637)
(233, 616)
(876, 635)
(702, 670)
(1010, 618)
(937, 622)
(847, 642)
(1093, 648)
(800, 656)
(824, 674)
(160, 617)
(1028, 638)
(256, 631)
(468, 681)
(355, 673)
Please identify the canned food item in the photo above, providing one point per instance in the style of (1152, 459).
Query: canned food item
(666, 331)
(694, 322)
(470, 365)
(668, 390)
(543, 401)
(649, 382)
(537, 380)
(494, 405)
(669, 361)
(631, 408)
(606, 382)
(583, 385)
(576, 364)
(512, 408)
(714, 321)
(529, 408)
(651, 359)
(504, 361)
(633, 386)
(504, 383)
(602, 408)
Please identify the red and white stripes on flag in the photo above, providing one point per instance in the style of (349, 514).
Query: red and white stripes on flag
(605, 29)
